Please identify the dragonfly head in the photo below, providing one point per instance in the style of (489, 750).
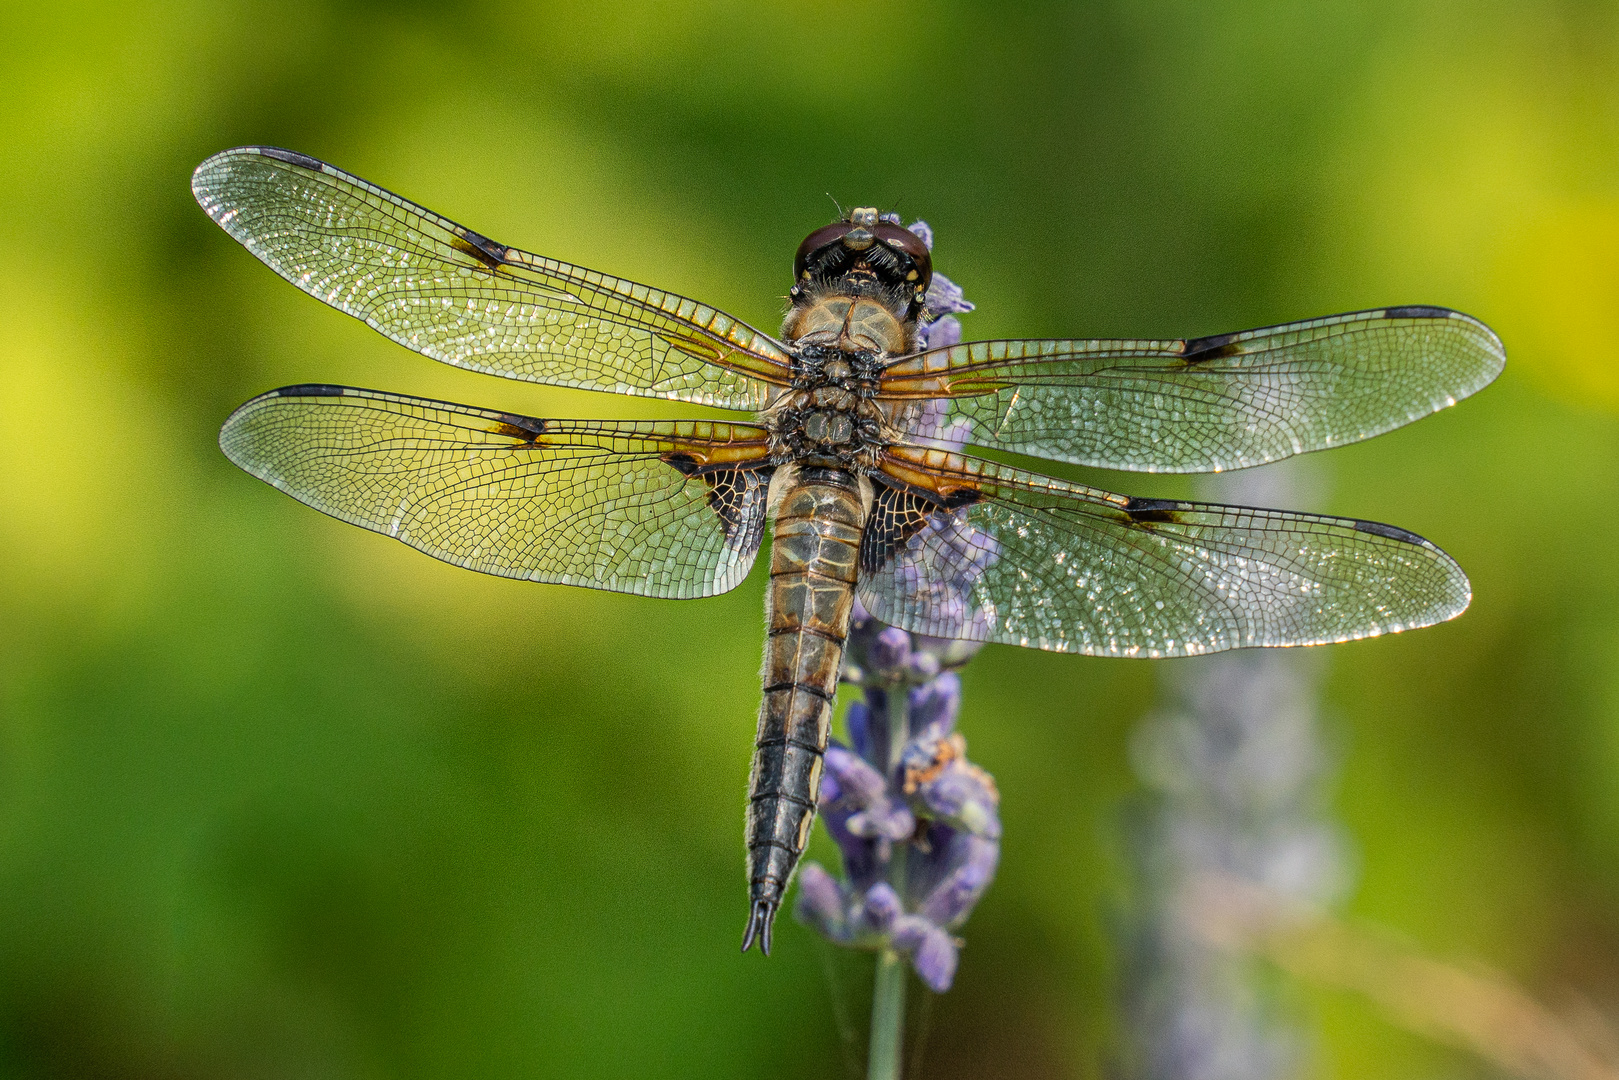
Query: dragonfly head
(865, 252)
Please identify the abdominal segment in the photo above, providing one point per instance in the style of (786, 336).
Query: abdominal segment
(813, 563)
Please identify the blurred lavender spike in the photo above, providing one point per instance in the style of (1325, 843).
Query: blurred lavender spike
(1235, 767)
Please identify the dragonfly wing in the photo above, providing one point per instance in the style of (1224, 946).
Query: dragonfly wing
(668, 508)
(964, 548)
(1206, 404)
(456, 296)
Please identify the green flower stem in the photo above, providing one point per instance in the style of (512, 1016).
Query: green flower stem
(887, 1017)
(899, 726)
(888, 992)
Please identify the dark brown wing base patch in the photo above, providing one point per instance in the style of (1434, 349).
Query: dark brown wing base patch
(899, 513)
(731, 492)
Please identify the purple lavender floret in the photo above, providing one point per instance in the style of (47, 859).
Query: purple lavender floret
(874, 661)
(956, 879)
(942, 564)
(934, 705)
(939, 573)
(863, 806)
(943, 786)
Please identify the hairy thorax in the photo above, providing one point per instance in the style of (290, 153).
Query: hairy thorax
(840, 343)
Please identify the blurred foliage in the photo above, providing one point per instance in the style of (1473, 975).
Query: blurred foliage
(281, 798)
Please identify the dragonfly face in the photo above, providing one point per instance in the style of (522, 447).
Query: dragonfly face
(856, 450)
(864, 254)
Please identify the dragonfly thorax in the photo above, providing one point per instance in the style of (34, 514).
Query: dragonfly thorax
(828, 426)
(854, 316)
(841, 335)
(828, 416)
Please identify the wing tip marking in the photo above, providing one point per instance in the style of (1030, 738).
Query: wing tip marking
(310, 390)
(1419, 311)
(1391, 532)
(291, 157)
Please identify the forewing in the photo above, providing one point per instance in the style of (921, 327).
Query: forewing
(1205, 404)
(670, 509)
(459, 297)
(963, 548)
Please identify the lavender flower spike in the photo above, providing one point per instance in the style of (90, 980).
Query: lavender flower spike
(917, 824)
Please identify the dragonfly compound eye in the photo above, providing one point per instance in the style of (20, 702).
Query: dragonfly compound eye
(815, 244)
(911, 249)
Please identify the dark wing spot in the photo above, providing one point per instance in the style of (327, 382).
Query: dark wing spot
(480, 247)
(513, 426)
(899, 513)
(1197, 350)
(292, 157)
(1417, 311)
(1153, 511)
(1392, 532)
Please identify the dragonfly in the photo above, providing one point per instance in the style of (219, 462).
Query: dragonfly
(854, 456)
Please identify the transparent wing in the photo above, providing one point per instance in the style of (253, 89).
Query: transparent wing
(959, 547)
(1204, 404)
(459, 297)
(671, 508)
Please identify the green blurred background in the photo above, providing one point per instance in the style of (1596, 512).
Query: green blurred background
(280, 798)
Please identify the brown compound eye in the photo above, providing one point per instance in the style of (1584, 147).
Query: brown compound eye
(815, 241)
(910, 245)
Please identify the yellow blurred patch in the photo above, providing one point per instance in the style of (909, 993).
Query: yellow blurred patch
(86, 485)
(1556, 300)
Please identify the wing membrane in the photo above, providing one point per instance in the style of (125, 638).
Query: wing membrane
(456, 296)
(670, 509)
(1205, 404)
(960, 547)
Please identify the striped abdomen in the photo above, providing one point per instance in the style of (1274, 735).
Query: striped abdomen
(814, 558)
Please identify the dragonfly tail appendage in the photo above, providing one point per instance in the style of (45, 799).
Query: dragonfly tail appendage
(760, 920)
(813, 564)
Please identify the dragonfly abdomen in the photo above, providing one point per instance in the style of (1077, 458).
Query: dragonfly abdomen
(814, 560)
